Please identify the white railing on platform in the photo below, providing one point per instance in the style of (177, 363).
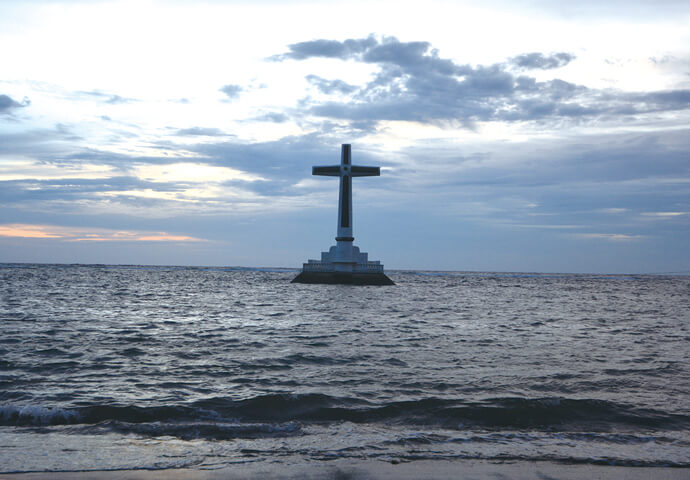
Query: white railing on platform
(316, 267)
(369, 267)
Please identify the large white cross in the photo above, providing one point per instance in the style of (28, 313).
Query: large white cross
(345, 171)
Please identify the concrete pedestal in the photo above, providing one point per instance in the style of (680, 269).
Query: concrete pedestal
(344, 278)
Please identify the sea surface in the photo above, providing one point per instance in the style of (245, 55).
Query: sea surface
(135, 367)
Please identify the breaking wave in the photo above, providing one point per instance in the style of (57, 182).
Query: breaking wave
(263, 413)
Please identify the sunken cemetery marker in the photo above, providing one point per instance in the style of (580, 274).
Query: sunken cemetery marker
(344, 263)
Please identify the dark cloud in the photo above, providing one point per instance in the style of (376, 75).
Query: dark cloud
(415, 84)
(43, 144)
(281, 163)
(331, 86)
(32, 190)
(232, 91)
(200, 131)
(7, 104)
(284, 158)
(365, 126)
(538, 60)
(568, 182)
(664, 100)
(327, 49)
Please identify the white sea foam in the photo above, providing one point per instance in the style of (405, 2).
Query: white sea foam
(36, 415)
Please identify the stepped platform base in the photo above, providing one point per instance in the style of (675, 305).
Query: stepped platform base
(344, 278)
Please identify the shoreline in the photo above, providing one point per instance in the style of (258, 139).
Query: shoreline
(378, 470)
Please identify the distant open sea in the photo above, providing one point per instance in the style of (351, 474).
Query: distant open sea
(135, 367)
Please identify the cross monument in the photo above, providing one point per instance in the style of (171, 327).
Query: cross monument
(344, 263)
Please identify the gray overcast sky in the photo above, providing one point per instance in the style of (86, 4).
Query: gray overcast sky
(512, 136)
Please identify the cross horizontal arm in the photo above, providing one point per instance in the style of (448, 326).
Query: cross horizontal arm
(365, 171)
(333, 171)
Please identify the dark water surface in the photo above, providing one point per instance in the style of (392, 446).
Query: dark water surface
(111, 367)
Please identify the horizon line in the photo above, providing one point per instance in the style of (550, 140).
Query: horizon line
(297, 269)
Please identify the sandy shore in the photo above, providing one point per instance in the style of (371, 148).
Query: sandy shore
(377, 470)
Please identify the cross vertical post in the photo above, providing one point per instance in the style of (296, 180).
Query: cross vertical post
(345, 198)
(344, 253)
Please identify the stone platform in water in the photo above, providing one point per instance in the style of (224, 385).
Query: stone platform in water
(344, 278)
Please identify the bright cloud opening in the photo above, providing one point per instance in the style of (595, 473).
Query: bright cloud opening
(192, 173)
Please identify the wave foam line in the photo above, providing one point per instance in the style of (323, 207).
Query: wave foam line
(499, 413)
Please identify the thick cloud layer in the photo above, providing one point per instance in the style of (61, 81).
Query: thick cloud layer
(415, 84)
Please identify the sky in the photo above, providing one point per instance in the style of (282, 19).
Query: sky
(522, 136)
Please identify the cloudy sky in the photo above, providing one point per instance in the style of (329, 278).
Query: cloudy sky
(512, 135)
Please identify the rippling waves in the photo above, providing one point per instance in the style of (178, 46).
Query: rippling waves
(555, 414)
(228, 365)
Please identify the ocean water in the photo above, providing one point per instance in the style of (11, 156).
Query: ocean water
(131, 367)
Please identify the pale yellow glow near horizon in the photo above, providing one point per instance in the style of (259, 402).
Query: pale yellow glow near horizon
(614, 237)
(81, 234)
(665, 214)
(26, 231)
(168, 238)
